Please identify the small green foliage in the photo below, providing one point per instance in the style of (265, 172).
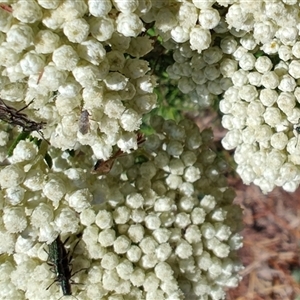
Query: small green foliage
(48, 160)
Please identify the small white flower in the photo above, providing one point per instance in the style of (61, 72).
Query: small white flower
(14, 219)
(130, 120)
(19, 37)
(24, 151)
(80, 200)
(129, 24)
(27, 11)
(65, 58)
(199, 38)
(209, 18)
(104, 219)
(102, 29)
(67, 221)
(54, 189)
(121, 244)
(11, 176)
(92, 51)
(99, 8)
(76, 30)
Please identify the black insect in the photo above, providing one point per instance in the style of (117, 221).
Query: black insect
(84, 122)
(60, 261)
(12, 116)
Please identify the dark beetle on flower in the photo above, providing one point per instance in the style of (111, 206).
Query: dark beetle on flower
(60, 261)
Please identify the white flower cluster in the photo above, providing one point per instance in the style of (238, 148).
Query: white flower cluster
(262, 107)
(73, 56)
(201, 76)
(160, 225)
(185, 21)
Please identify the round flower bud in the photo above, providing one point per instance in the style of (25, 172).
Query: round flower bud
(247, 61)
(183, 250)
(102, 29)
(134, 253)
(19, 37)
(110, 261)
(279, 140)
(152, 221)
(254, 78)
(116, 60)
(110, 280)
(24, 151)
(122, 244)
(130, 120)
(248, 42)
(46, 41)
(54, 189)
(88, 75)
(121, 215)
(228, 67)
(49, 4)
(163, 271)
(287, 83)
(239, 78)
(126, 6)
(115, 81)
(148, 245)
(163, 251)
(228, 45)
(76, 30)
(99, 8)
(165, 20)
(31, 63)
(27, 11)
(65, 58)
(14, 195)
(80, 200)
(268, 97)
(107, 237)
(104, 219)
(136, 233)
(124, 269)
(87, 216)
(270, 80)
(209, 18)
(52, 78)
(285, 53)
(92, 51)
(294, 68)
(129, 24)
(134, 200)
(200, 38)
(286, 102)
(67, 221)
(137, 277)
(151, 282)
(14, 219)
(11, 176)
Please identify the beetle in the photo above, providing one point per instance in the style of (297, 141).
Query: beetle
(60, 261)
